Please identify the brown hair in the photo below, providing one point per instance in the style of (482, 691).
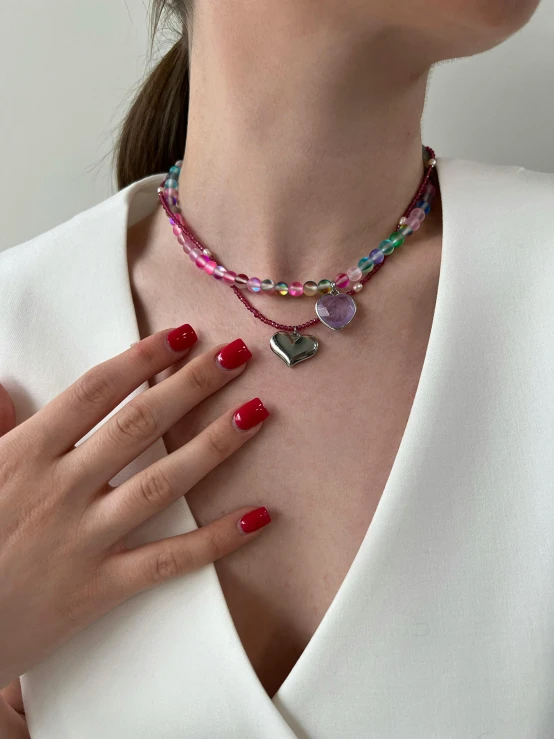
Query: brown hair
(153, 134)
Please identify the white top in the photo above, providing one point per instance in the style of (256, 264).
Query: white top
(443, 627)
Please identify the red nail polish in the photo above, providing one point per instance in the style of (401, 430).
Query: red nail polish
(254, 520)
(233, 355)
(182, 338)
(250, 414)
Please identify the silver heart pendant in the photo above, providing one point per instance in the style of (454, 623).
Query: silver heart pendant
(293, 347)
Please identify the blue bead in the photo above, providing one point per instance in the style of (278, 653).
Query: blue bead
(175, 170)
(171, 183)
(377, 255)
(424, 205)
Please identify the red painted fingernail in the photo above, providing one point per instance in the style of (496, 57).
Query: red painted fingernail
(233, 355)
(250, 414)
(254, 520)
(182, 338)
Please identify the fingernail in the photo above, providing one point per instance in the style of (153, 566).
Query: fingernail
(254, 520)
(250, 414)
(233, 355)
(182, 338)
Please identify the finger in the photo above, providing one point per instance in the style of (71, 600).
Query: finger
(150, 491)
(145, 418)
(62, 422)
(7, 411)
(132, 571)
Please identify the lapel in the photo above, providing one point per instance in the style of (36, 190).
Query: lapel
(177, 654)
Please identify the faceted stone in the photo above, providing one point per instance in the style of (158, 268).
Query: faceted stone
(335, 311)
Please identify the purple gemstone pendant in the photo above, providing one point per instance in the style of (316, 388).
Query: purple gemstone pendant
(335, 309)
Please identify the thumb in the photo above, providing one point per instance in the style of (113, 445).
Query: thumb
(7, 411)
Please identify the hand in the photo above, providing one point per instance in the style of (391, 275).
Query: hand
(63, 560)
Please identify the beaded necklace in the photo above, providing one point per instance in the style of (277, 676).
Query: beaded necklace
(333, 308)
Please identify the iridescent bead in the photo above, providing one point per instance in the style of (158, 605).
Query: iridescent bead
(341, 280)
(366, 264)
(414, 223)
(357, 287)
(170, 183)
(354, 274)
(282, 288)
(210, 266)
(406, 230)
(179, 163)
(324, 287)
(187, 243)
(296, 289)
(175, 170)
(396, 239)
(417, 212)
(268, 286)
(201, 261)
(377, 255)
(177, 230)
(194, 254)
(254, 285)
(171, 192)
(310, 287)
(219, 272)
(229, 277)
(241, 281)
(424, 205)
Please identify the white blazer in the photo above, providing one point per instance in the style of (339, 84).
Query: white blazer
(444, 625)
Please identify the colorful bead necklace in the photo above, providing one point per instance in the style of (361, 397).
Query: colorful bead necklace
(334, 309)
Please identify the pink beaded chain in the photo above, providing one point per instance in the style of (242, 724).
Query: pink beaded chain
(367, 266)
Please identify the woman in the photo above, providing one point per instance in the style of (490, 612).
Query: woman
(403, 588)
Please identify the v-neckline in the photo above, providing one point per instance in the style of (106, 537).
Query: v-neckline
(381, 519)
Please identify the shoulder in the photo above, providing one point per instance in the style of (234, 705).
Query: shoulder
(71, 239)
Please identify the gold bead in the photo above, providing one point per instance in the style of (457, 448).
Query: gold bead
(310, 287)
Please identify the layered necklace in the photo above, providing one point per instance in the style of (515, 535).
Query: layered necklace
(335, 306)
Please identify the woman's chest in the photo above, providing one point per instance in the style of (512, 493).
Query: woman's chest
(319, 465)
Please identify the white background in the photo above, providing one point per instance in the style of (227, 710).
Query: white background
(68, 70)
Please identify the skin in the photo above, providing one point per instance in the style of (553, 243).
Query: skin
(303, 113)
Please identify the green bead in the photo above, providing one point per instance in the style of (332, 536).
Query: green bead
(324, 286)
(397, 240)
(366, 264)
(282, 288)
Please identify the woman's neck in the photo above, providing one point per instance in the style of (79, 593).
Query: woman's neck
(304, 140)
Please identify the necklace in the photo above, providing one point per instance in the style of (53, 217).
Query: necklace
(333, 308)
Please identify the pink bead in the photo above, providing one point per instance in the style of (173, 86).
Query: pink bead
(210, 267)
(229, 277)
(201, 261)
(354, 274)
(194, 254)
(419, 212)
(172, 192)
(341, 280)
(296, 289)
(219, 272)
(414, 223)
(254, 285)
(177, 230)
